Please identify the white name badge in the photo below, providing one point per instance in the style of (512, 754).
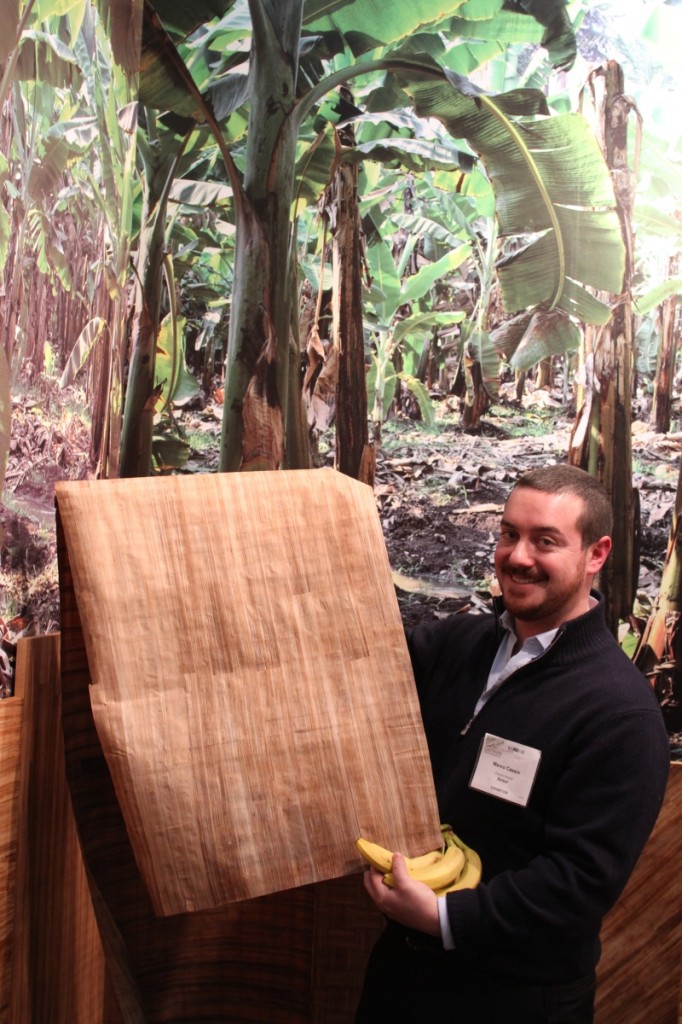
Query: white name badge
(505, 769)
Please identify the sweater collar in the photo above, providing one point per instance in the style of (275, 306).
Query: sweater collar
(585, 631)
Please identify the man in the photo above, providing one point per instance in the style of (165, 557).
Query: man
(550, 758)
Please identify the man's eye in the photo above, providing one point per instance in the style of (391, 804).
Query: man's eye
(546, 542)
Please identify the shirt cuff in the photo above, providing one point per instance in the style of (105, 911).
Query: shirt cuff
(445, 932)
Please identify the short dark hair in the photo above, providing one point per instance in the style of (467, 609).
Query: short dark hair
(596, 519)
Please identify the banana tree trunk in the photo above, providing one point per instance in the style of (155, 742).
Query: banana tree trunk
(140, 401)
(601, 440)
(352, 433)
(665, 368)
(141, 396)
(477, 400)
(262, 366)
(659, 652)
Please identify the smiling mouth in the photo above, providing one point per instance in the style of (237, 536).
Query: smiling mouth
(523, 579)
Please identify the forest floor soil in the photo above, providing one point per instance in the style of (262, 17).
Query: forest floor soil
(439, 494)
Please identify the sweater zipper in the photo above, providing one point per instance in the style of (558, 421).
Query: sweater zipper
(466, 728)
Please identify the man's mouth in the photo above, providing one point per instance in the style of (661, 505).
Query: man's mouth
(525, 578)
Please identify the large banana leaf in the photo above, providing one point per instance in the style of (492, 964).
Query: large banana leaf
(361, 25)
(555, 202)
(364, 26)
(554, 30)
(374, 23)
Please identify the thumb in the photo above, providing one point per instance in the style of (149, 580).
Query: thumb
(399, 869)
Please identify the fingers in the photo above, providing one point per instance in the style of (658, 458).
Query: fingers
(407, 901)
(374, 880)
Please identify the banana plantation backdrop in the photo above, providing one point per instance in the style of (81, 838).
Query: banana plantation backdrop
(321, 217)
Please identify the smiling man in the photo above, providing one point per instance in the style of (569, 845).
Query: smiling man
(544, 681)
(549, 552)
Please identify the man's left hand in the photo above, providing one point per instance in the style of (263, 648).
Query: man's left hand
(409, 902)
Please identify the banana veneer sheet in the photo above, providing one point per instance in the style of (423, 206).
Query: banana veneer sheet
(250, 681)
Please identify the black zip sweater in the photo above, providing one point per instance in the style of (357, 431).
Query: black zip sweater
(552, 869)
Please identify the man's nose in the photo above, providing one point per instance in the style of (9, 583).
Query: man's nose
(521, 553)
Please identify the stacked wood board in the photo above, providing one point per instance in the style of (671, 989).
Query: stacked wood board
(11, 802)
(53, 962)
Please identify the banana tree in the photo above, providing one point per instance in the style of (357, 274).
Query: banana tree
(159, 165)
(393, 294)
(602, 436)
(261, 425)
(353, 455)
(63, 234)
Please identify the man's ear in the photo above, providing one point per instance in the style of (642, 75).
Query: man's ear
(599, 552)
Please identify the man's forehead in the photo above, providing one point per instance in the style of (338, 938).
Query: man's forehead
(547, 504)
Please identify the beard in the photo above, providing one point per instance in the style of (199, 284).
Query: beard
(533, 595)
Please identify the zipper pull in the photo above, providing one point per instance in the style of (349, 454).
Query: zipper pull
(466, 728)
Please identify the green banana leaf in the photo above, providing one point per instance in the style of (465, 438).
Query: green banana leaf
(553, 29)
(389, 292)
(362, 25)
(654, 297)
(171, 376)
(422, 325)
(555, 202)
(376, 24)
(366, 26)
(654, 221)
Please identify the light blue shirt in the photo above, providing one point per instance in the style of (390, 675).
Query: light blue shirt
(506, 662)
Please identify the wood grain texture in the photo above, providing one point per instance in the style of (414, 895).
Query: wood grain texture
(251, 685)
(248, 962)
(12, 800)
(60, 976)
(640, 972)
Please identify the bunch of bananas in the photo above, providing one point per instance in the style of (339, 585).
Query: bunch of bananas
(453, 866)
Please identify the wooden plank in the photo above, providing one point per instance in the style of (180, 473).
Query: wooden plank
(251, 685)
(640, 971)
(11, 801)
(59, 978)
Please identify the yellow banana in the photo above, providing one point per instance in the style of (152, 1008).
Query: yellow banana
(381, 858)
(415, 864)
(442, 872)
(437, 869)
(471, 873)
(374, 854)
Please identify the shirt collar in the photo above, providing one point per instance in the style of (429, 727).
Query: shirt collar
(540, 642)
